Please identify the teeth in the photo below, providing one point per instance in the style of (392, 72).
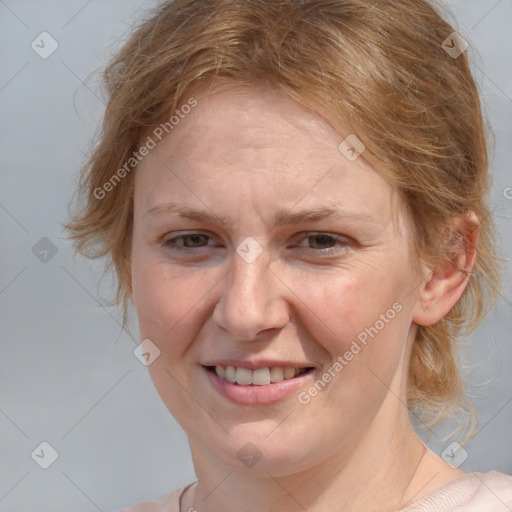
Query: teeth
(230, 373)
(289, 372)
(276, 374)
(259, 377)
(243, 376)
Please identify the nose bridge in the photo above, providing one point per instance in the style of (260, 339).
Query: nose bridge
(250, 296)
(251, 275)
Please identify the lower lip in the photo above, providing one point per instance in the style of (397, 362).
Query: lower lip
(258, 395)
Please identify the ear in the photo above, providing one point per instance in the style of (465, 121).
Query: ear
(447, 281)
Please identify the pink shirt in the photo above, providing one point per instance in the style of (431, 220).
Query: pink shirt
(472, 492)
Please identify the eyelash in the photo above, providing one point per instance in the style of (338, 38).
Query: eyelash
(173, 246)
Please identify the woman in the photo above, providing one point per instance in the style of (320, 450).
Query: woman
(294, 198)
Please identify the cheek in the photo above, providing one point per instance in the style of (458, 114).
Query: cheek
(360, 316)
(343, 304)
(165, 298)
(167, 303)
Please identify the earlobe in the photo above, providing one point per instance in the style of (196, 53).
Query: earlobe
(446, 281)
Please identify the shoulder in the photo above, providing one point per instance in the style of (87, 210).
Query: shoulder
(171, 503)
(472, 492)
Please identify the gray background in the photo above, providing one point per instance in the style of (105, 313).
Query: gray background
(68, 374)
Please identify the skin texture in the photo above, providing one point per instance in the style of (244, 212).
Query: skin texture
(247, 156)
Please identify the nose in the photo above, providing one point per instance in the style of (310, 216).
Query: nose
(252, 300)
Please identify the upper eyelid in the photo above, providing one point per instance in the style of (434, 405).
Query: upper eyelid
(182, 235)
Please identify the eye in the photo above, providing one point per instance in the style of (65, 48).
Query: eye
(324, 242)
(187, 242)
(195, 243)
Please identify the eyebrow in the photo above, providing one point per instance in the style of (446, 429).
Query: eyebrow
(282, 218)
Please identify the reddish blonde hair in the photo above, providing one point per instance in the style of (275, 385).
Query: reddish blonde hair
(373, 67)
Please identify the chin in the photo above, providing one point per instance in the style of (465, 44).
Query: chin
(255, 449)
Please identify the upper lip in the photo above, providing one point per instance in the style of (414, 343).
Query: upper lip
(254, 365)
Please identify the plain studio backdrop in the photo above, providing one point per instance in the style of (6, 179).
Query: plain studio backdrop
(69, 377)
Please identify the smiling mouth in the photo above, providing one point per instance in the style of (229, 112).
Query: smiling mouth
(258, 377)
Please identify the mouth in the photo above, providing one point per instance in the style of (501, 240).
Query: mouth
(263, 382)
(264, 376)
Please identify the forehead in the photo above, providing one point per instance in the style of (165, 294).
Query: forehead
(255, 141)
(249, 118)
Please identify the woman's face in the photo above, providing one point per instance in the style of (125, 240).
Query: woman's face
(258, 245)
